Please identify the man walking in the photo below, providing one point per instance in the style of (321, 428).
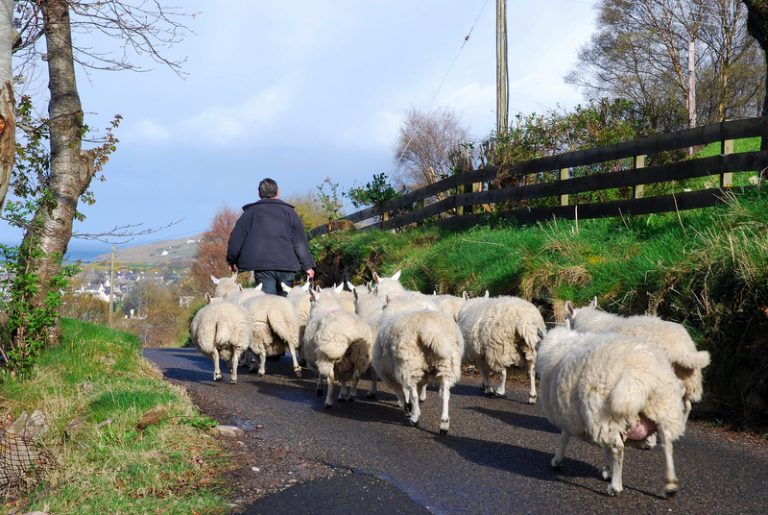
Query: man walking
(269, 240)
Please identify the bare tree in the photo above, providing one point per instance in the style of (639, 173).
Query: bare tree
(757, 24)
(425, 144)
(690, 57)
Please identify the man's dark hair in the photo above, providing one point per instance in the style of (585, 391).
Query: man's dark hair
(267, 188)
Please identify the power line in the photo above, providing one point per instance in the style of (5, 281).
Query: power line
(445, 77)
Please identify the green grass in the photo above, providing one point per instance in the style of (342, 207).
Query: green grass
(97, 377)
(705, 268)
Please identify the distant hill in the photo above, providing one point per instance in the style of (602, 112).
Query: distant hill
(180, 252)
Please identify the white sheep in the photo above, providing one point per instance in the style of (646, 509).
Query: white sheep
(416, 345)
(275, 327)
(388, 286)
(608, 389)
(672, 338)
(221, 330)
(228, 288)
(500, 332)
(337, 344)
(450, 304)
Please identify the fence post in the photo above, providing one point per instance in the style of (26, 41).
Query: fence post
(564, 175)
(460, 209)
(638, 189)
(726, 179)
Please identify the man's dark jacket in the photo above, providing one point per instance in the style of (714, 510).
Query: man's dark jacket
(269, 235)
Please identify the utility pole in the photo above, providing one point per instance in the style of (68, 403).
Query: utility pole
(502, 82)
(112, 284)
(692, 83)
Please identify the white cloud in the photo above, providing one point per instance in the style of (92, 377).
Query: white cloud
(144, 131)
(379, 130)
(223, 125)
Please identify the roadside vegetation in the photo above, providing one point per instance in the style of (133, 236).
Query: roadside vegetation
(94, 389)
(704, 268)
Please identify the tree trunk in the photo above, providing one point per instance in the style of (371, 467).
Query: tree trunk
(8, 36)
(51, 228)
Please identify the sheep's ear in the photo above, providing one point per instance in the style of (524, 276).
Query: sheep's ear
(396, 276)
(593, 304)
(376, 277)
(487, 294)
(568, 324)
(313, 295)
(207, 298)
(339, 288)
(260, 287)
(434, 293)
(215, 280)
(369, 286)
(240, 288)
(306, 286)
(569, 309)
(354, 292)
(350, 286)
(465, 295)
(285, 287)
(234, 276)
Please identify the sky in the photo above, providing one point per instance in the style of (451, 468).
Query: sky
(303, 90)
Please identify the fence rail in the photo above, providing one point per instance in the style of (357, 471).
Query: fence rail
(724, 165)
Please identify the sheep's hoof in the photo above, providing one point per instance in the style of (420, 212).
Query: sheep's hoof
(443, 432)
(413, 424)
(613, 491)
(670, 489)
(233, 381)
(497, 395)
(532, 400)
(555, 464)
(328, 406)
(260, 373)
(297, 371)
(319, 392)
(217, 379)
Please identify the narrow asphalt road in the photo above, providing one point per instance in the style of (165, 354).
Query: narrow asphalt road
(495, 458)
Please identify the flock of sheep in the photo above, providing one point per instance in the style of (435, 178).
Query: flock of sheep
(607, 379)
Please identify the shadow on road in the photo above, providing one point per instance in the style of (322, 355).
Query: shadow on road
(518, 419)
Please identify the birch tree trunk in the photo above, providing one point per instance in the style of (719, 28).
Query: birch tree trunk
(70, 171)
(8, 36)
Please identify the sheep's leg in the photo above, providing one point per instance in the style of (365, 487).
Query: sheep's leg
(402, 401)
(423, 392)
(343, 390)
(296, 367)
(560, 453)
(216, 369)
(373, 390)
(355, 379)
(671, 485)
(445, 395)
(532, 375)
(487, 389)
(262, 362)
(501, 390)
(605, 472)
(319, 388)
(233, 367)
(617, 462)
(415, 410)
(329, 394)
(407, 397)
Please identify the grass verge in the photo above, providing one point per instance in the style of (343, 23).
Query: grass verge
(93, 389)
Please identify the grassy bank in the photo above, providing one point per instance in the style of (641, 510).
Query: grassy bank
(704, 268)
(93, 389)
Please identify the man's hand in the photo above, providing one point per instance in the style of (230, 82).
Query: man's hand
(310, 274)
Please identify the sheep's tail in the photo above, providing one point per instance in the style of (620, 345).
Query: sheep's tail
(695, 361)
(335, 348)
(284, 326)
(435, 339)
(629, 395)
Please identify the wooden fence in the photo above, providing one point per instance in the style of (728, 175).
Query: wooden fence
(469, 208)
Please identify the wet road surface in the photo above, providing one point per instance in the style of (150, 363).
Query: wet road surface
(495, 458)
